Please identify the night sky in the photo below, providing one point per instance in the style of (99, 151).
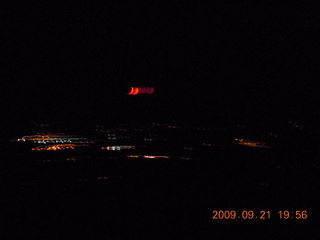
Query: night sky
(226, 60)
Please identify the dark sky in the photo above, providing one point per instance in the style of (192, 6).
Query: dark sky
(233, 59)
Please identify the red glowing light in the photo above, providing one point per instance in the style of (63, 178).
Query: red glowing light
(134, 91)
(151, 90)
(141, 90)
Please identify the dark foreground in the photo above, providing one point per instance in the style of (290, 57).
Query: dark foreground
(106, 195)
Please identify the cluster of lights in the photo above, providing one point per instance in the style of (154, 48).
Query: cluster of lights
(188, 148)
(249, 143)
(34, 138)
(99, 178)
(295, 124)
(113, 148)
(146, 156)
(207, 144)
(57, 147)
(102, 178)
(53, 138)
(154, 139)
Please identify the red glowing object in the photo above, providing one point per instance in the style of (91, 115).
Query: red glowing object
(141, 90)
(134, 91)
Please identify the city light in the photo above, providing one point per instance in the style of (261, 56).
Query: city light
(57, 147)
(249, 143)
(147, 156)
(52, 138)
(113, 148)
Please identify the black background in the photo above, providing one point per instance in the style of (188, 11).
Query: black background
(227, 60)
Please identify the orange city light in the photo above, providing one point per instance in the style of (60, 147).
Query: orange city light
(141, 90)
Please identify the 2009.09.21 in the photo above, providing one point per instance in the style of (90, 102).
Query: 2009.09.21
(244, 215)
